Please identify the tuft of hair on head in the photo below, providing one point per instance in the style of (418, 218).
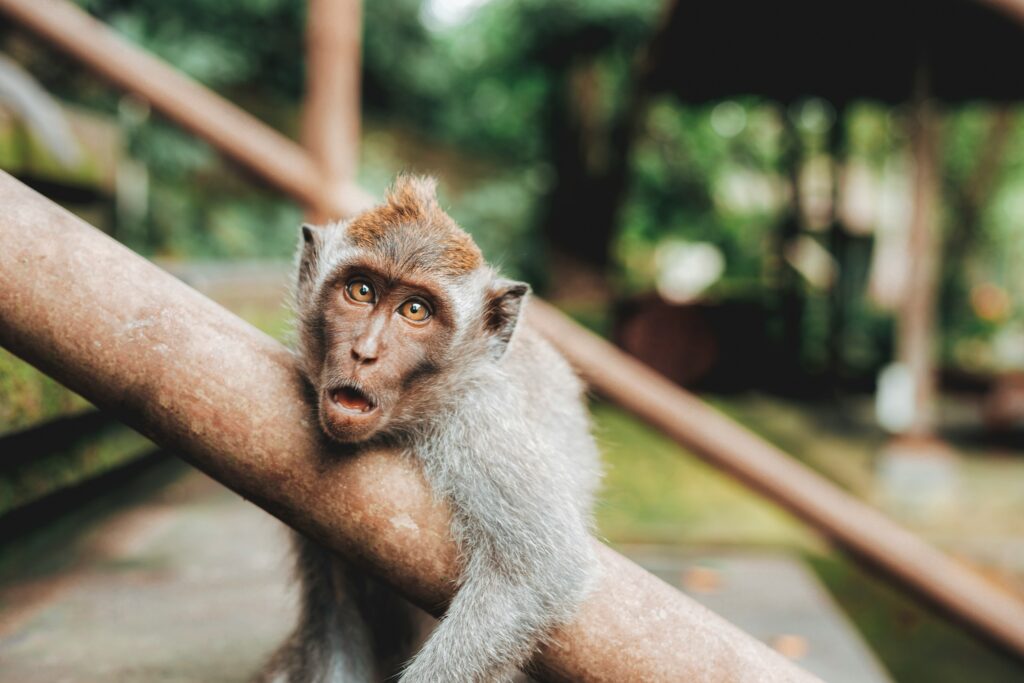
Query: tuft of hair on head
(411, 204)
(413, 194)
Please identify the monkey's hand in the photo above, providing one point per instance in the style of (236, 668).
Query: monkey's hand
(528, 566)
(496, 622)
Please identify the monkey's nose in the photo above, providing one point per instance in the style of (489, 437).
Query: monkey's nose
(364, 356)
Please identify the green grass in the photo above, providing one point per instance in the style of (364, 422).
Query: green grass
(91, 456)
(915, 643)
(655, 492)
(28, 397)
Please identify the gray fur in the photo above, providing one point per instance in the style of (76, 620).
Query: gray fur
(498, 424)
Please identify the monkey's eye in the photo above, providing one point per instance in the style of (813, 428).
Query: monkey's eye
(415, 310)
(361, 291)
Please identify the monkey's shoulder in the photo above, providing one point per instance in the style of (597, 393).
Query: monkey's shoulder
(528, 350)
(533, 359)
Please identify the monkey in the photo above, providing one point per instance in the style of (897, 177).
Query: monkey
(406, 337)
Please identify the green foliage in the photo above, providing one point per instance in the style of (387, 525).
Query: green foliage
(488, 86)
(404, 75)
(871, 134)
(981, 208)
(682, 178)
(499, 215)
(222, 43)
(90, 457)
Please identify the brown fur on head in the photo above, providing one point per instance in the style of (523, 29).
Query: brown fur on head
(410, 212)
(375, 369)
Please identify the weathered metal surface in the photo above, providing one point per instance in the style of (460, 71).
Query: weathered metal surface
(201, 382)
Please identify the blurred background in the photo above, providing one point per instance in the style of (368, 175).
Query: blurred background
(812, 214)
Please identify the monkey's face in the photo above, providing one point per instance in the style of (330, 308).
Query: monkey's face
(382, 337)
(392, 304)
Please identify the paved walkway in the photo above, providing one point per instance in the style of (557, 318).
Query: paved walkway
(775, 598)
(192, 585)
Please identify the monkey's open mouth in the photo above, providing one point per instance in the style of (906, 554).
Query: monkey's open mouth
(352, 400)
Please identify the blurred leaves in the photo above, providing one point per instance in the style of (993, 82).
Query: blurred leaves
(222, 43)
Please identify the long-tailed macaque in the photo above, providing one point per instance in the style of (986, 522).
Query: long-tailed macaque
(406, 337)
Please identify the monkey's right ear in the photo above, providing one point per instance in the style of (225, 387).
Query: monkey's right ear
(504, 304)
(310, 233)
(311, 237)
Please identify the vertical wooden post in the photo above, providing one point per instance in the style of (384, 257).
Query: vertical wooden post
(790, 300)
(330, 126)
(916, 324)
(838, 241)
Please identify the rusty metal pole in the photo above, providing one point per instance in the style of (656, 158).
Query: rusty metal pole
(237, 134)
(203, 383)
(330, 122)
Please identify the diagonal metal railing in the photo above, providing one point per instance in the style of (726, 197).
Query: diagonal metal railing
(849, 522)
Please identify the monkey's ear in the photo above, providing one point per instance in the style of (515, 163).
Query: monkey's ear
(308, 255)
(501, 313)
(310, 233)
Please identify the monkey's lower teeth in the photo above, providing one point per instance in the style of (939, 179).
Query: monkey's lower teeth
(351, 399)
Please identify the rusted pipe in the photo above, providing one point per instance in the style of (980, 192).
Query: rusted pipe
(201, 382)
(826, 507)
(239, 135)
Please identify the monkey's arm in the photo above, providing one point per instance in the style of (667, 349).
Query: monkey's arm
(527, 555)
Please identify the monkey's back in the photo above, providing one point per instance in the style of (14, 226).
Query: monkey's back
(553, 399)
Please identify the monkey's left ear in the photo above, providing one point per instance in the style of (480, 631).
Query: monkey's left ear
(504, 304)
